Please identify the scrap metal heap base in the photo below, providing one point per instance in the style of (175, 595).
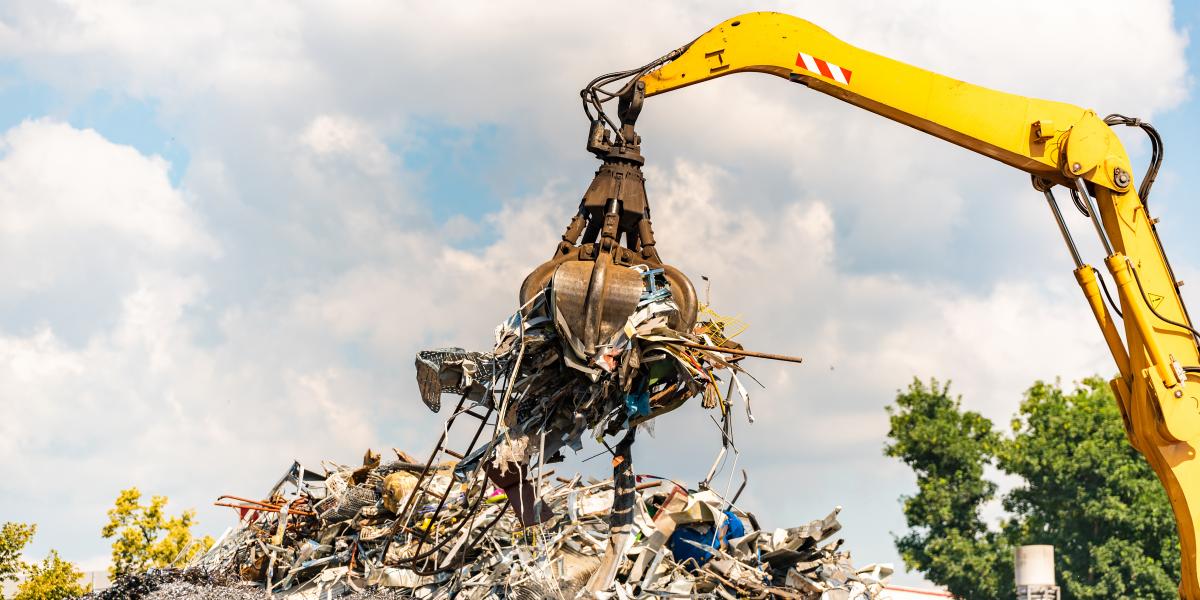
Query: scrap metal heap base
(490, 520)
(325, 535)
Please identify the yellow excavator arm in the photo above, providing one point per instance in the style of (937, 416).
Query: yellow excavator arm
(1158, 386)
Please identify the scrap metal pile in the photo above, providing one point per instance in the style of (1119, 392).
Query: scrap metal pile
(606, 339)
(324, 535)
(551, 387)
(492, 521)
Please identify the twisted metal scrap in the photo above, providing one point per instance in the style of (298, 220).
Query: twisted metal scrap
(452, 371)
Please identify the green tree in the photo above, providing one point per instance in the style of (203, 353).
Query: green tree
(1082, 488)
(146, 537)
(13, 539)
(1090, 494)
(947, 448)
(53, 579)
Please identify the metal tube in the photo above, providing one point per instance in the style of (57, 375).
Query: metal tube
(737, 351)
(1095, 213)
(1062, 227)
(404, 514)
(433, 518)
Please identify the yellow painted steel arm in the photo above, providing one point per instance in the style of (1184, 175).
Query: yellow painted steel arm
(1056, 142)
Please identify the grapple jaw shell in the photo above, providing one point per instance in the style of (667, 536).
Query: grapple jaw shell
(591, 282)
(593, 297)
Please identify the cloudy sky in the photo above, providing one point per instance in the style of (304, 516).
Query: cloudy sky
(226, 227)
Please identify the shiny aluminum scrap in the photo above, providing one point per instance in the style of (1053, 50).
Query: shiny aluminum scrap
(322, 535)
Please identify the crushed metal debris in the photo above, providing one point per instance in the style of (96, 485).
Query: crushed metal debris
(326, 535)
(492, 521)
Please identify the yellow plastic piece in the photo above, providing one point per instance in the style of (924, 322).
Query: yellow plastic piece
(1052, 140)
(719, 328)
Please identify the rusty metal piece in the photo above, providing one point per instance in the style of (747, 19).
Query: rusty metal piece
(259, 506)
(738, 351)
(241, 499)
(513, 478)
(595, 299)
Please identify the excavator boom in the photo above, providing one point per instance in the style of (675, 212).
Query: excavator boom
(1158, 386)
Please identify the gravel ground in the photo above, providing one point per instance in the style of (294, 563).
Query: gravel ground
(197, 585)
(190, 591)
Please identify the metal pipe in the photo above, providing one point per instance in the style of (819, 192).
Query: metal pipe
(738, 351)
(241, 499)
(1062, 227)
(1095, 214)
(267, 509)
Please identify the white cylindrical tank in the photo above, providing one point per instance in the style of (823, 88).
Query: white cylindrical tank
(1034, 566)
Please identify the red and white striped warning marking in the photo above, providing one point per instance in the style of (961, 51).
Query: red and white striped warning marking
(827, 69)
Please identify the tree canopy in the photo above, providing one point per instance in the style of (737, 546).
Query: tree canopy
(52, 579)
(1081, 488)
(13, 539)
(146, 537)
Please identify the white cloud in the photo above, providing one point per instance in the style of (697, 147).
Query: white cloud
(174, 49)
(74, 203)
(781, 268)
(345, 137)
(139, 395)
(241, 83)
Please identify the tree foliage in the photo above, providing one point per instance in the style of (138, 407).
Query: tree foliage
(53, 579)
(13, 539)
(146, 537)
(1082, 488)
(947, 449)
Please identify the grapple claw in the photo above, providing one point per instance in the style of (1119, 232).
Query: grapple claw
(594, 281)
